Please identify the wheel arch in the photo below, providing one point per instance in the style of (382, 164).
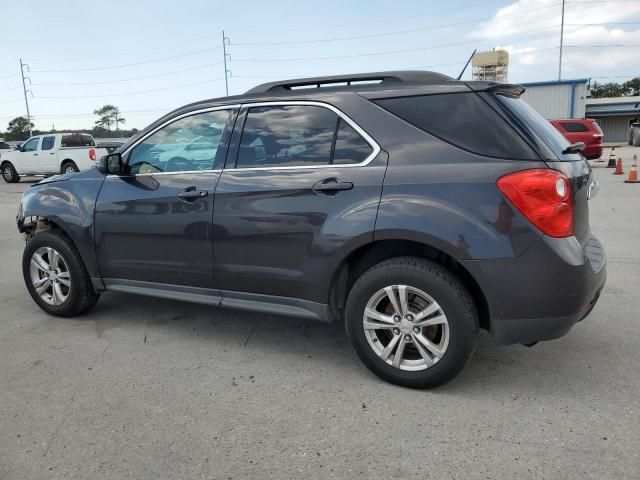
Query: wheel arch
(366, 256)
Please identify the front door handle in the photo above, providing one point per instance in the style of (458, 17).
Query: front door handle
(331, 185)
(192, 193)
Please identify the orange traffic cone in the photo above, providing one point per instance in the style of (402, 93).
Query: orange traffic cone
(619, 170)
(633, 173)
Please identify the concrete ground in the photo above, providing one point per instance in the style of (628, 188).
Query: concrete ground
(144, 388)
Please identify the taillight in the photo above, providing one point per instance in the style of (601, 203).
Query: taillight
(543, 196)
(92, 154)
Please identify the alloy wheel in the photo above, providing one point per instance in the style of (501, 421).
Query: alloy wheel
(50, 275)
(406, 327)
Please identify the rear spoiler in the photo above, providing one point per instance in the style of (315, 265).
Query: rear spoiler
(507, 89)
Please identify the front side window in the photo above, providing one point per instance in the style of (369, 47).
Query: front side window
(31, 145)
(289, 135)
(48, 142)
(188, 144)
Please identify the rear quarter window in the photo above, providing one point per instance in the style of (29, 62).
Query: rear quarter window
(574, 127)
(464, 120)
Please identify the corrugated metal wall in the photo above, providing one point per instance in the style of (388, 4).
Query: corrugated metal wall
(614, 128)
(553, 100)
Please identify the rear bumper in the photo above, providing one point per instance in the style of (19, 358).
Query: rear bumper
(591, 152)
(542, 294)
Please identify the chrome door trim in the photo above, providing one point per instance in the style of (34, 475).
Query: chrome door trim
(372, 143)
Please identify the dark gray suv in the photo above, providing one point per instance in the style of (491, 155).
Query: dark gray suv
(413, 207)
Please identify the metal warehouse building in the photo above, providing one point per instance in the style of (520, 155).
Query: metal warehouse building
(614, 115)
(558, 99)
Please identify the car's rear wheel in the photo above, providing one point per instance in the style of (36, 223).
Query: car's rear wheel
(411, 322)
(69, 167)
(55, 275)
(9, 173)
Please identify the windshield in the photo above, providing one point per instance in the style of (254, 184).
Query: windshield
(540, 127)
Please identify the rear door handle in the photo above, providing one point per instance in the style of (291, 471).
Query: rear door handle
(332, 185)
(192, 193)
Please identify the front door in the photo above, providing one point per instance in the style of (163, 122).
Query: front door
(29, 157)
(153, 223)
(305, 184)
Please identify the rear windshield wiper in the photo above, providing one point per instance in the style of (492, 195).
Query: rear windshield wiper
(574, 148)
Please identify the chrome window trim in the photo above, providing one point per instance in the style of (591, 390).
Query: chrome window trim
(372, 143)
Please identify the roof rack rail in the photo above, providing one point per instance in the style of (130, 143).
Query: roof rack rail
(413, 76)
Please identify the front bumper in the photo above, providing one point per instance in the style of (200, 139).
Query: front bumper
(543, 293)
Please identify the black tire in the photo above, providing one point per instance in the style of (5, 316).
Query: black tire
(630, 136)
(636, 137)
(81, 295)
(445, 289)
(68, 164)
(9, 173)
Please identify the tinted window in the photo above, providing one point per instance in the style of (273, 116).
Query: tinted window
(574, 127)
(541, 127)
(31, 145)
(87, 140)
(47, 143)
(4, 146)
(464, 120)
(190, 143)
(287, 136)
(350, 146)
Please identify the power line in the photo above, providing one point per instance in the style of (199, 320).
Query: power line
(135, 93)
(10, 88)
(12, 100)
(602, 46)
(124, 65)
(396, 32)
(391, 52)
(201, 67)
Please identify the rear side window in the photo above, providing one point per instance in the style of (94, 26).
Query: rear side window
(574, 127)
(350, 146)
(464, 120)
(47, 143)
(291, 135)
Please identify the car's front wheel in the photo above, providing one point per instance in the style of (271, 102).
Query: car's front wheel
(9, 173)
(55, 275)
(411, 322)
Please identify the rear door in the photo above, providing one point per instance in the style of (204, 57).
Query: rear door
(153, 223)
(300, 183)
(48, 160)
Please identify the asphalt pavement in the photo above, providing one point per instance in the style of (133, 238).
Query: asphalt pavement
(144, 388)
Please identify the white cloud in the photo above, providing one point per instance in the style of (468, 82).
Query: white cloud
(536, 54)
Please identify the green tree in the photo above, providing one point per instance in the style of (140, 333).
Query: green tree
(108, 115)
(611, 89)
(18, 129)
(633, 86)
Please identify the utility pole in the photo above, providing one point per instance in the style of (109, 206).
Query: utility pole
(24, 88)
(561, 43)
(225, 42)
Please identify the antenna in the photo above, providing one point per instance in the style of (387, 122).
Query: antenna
(467, 64)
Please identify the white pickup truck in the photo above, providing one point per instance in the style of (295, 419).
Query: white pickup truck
(50, 154)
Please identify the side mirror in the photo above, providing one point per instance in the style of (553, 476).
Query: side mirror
(110, 164)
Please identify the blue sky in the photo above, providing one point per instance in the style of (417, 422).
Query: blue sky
(148, 57)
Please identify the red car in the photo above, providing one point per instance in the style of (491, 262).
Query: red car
(586, 131)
